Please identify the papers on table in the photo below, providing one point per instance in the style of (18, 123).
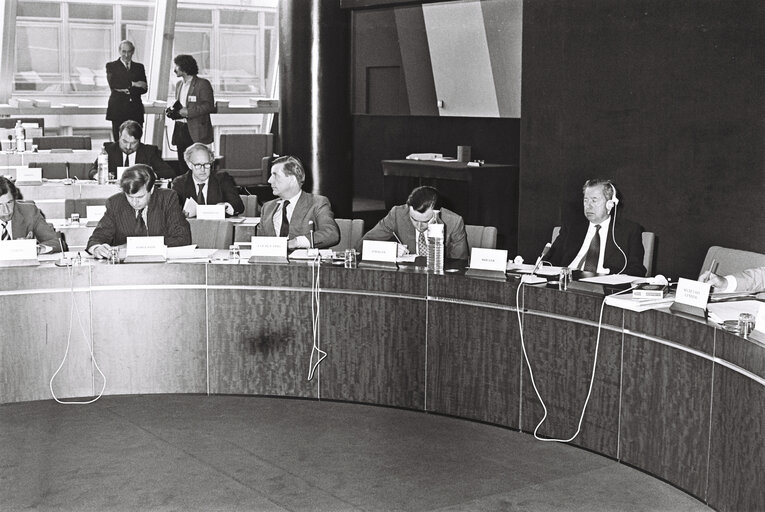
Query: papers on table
(303, 254)
(720, 312)
(182, 252)
(614, 279)
(524, 268)
(627, 302)
(190, 207)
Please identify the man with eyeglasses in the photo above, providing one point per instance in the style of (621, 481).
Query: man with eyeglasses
(408, 225)
(203, 185)
(295, 213)
(139, 210)
(22, 219)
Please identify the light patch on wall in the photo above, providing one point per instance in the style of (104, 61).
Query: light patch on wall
(459, 52)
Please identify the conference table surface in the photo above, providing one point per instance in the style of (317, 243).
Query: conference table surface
(676, 397)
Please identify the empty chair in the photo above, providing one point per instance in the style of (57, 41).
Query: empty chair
(212, 234)
(351, 231)
(246, 157)
(484, 237)
(730, 261)
(62, 142)
(251, 206)
(58, 170)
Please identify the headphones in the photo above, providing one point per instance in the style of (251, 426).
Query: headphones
(611, 203)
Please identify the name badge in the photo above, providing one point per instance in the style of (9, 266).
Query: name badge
(18, 249)
(146, 246)
(211, 211)
(488, 259)
(269, 246)
(94, 213)
(28, 174)
(191, 98)
(372, 250)
(692, 293)
(120, 170)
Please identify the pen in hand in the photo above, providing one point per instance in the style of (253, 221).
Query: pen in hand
(401, 244)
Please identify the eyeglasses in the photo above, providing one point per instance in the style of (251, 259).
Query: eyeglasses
(199, 167)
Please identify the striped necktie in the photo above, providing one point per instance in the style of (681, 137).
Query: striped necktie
(4, 235)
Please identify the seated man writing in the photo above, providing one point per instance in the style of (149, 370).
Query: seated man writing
(296, 213)
(139, 210)
(597, 242)
(750, 280)
(408, 224)
(129, 150)
(203, 185)
(22, 219)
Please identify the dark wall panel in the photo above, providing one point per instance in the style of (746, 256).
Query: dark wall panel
(663, 97)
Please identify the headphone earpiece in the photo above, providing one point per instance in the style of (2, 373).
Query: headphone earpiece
(611, 203)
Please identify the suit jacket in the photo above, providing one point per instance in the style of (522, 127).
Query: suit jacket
(750, 280)
(220, 189)
(309, 207)
(165, 219)
(628, 236)
(123, 106)
(200, 103)
(26, 219)
(145, 154)
(398, 221)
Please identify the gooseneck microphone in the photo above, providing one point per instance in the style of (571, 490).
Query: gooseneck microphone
(531, 278)
(310, 231)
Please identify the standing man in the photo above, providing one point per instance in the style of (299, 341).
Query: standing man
(139, 210)
(127, 80)
(194, 97)
(600, 242)
(204, 186)
(290, 214)
(129, 150)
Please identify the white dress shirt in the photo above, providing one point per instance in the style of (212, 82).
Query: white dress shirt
(290, 208)
(579, 259)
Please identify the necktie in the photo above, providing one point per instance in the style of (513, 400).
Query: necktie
(200, 195)
(593, 253)
(4, 235)
(284, 230)
(140, 225)
(127, 161)
(422, 244)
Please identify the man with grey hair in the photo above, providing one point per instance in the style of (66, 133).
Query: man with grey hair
(127, 81)
(305, 219)
(205, 186)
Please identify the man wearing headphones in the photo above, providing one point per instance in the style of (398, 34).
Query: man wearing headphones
(601, 242)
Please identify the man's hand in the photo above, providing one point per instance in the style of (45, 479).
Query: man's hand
(717, 282)
(141, 84)
(184, 112)
(300, 242)
(229, 208)
(402, 250)
(101, 251)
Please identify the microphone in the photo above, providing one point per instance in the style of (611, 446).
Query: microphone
(312, 251)
(68, 180)
(531, 278)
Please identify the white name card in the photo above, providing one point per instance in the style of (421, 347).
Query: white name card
(488, 259)
(269, 246)
(94, 213)
(372, 250)
(120, 170)
(146, 246)
(28, 174)
(692, 293)
(211, 211)
(18, 250)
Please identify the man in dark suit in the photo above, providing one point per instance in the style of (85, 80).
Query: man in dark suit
(197, 102)
(290, 214)
(408, 223)
(127, 80)
(204, 187)
(600, 242)
(139, 210)
(129, 150)
(21, 219)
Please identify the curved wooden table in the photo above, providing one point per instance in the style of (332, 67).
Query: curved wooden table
(680, 399)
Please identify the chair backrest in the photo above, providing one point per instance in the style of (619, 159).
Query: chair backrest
(10, 122)
(245, 157)
(57, 170)
(63, 142)
(212, 234)
(251, 206)
(484, 237)
(351, 231)
(731, 261)
(649, 248)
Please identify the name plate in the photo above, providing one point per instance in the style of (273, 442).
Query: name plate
(372, 250)
(211, 211)
(25, 249)
(272, 246)
(488, 259)
(146, 246)
(120, 170)
(692, 293)
(28, 174)
(94, 213)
